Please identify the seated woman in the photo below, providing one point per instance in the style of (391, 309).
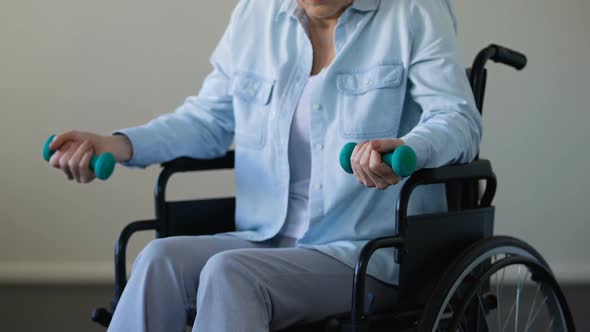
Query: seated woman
(292, 82)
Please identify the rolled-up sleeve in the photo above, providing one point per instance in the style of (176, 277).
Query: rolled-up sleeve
(449, 130)
(203, 127)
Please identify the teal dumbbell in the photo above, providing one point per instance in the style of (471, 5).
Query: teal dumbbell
(402, 160)
(103, 165)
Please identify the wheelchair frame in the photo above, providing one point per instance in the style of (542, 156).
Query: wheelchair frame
(471, 216)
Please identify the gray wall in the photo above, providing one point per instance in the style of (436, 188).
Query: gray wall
(104, 65)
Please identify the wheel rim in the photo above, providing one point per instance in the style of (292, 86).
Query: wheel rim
(494, 256)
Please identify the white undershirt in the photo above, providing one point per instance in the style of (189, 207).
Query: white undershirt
(297, 220)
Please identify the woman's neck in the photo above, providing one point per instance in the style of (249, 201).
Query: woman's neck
(321, 34)
(323, 23)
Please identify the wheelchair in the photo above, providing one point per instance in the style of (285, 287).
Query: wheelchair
(455, 275)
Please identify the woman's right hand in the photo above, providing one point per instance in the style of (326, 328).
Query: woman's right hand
(74, 149)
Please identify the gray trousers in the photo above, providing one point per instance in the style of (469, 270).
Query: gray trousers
(235, 285)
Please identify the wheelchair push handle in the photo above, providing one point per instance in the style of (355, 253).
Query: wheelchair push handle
(402, 160)
(508, 57)
(103, 166)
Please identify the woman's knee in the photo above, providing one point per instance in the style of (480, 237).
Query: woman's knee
(230, 267)
(158, 251)
(220, 265)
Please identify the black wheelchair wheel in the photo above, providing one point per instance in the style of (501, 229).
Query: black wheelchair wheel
(497, 284)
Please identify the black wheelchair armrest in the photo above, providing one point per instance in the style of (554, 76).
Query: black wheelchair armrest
(476, 170)
(185, 164)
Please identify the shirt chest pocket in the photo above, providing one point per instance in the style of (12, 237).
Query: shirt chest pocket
(252, 96)
(370, 101)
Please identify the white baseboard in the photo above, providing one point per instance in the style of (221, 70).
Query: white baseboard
(565, 274)
(57, 273)
(103, 272)
(572, 273)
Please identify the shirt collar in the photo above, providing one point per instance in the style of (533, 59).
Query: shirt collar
(292, 7)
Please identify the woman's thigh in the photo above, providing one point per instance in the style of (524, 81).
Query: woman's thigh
(302, 285)
(183, 258)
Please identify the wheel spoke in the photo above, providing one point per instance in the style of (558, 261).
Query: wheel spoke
(483, 311)
(510, 313)
(518, 293)
(531, 309)
(539, 311)
(499, 302)
(517, 300)
(550, 325)
(499, 295)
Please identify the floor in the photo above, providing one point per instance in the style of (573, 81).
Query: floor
(68, 308)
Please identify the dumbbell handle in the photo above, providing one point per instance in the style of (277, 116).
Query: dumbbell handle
(103, 166)
(402, 160)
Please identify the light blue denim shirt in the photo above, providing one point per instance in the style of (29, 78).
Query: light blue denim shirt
(397, 74)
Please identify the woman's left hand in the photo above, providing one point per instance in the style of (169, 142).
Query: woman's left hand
(368, 167)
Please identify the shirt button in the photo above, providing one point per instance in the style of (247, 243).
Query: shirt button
(319, 146)
(317, 107)
(318, 187)
(251, 92)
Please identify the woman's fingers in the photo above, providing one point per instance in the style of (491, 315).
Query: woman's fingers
(353, 158)
(54, 160)
(56, 157)
(65, 159)
(382, 170)
(74, 162)
(378, 171)
(364, 154)
(86, 175)
(386, 145)
(62, 139)
(355, 161)
(367, 164)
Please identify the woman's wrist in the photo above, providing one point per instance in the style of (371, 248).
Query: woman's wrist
(122, 147)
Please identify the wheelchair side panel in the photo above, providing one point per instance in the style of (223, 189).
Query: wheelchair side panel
(432, 242)
(198, 217)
